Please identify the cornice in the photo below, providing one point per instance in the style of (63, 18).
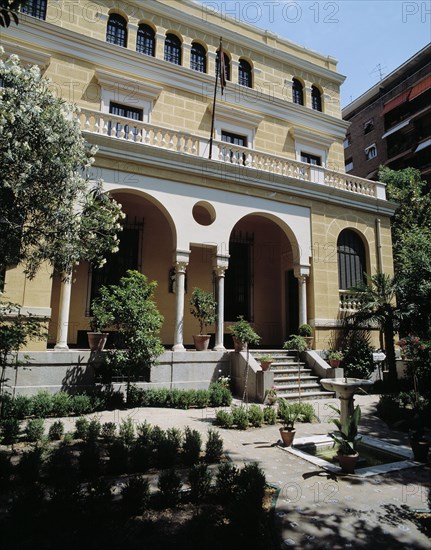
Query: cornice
(29, 56)
(109, 57)
(139, 88)
(245, 180)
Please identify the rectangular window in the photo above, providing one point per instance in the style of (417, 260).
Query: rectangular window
(35, 8)
(369, 126)
(349, 164)
(347, 142)
(126, 112)
(230, 155)
(371, 152)
(311, 159)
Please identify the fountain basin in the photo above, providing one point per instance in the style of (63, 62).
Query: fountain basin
(345, 387)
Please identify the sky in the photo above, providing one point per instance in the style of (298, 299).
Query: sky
(369, 38)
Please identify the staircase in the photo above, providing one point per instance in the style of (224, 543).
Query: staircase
(292, 379)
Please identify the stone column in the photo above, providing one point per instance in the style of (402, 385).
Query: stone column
(180, 276)
(63, 315)
(301, 272)
(219, 274)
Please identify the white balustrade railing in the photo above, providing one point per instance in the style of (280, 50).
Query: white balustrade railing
(350, 301)
(187, 143)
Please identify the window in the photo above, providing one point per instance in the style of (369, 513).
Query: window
(311, 159)
(351, 259)
(127, 112)
(348, 166)
(316, 98)
(369, 126)
(145, 40)
(198, 58)
(239, 278)
(297, 92)
(230, 155)
(347, 142)
(371, 152)
(35, 8)
(173, 49)
(244, 73)
(116, 30)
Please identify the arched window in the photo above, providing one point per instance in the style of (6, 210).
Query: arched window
(244, 73)
(316, 98)
(35, 8)
(116, 30)
(146, 40)
(173, 49)
(198, 58)
(351, 259)
(297, 92)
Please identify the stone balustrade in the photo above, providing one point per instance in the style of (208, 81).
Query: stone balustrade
(186, 143)
(349, 301)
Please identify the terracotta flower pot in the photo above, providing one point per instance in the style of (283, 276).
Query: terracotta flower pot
(97, 340)
(238, 345)
(348, 462)
(265, 365)
(420, 449)
(201, 341)
(287, 436)
(335, 363)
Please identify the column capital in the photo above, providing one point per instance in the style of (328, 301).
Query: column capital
(181, 256)
(219, 270)
(180, 267)
(301, 271)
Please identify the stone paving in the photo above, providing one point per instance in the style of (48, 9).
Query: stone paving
(314, 508)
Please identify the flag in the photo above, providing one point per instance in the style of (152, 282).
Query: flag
(222, 67)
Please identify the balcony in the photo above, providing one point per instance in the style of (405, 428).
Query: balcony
(120, 128)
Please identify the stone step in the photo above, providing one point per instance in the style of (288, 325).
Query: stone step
(305, 386)
(281, 379)
(306, 395)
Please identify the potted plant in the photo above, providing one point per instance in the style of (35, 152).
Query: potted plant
(243, 334)
(101, 319)
(346, 437)
(265, 361)
(295, 343)
(203, 307)
(419, 444)
(288, 415)
(271, 396)
(306, 331)
(335, 357)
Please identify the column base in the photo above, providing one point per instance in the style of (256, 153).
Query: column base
(61, 347)
(219, 347)
(178, 347)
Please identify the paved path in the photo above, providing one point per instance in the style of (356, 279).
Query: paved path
(316, 509)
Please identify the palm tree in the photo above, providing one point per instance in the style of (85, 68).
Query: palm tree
(378, 308)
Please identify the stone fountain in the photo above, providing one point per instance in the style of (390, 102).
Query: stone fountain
(345, 388)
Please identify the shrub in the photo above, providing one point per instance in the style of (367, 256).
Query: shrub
(5, 468)
(135, 397)
(61, 404)
(226, 481)
(41, 404)
(136, 495)
(140, 456)
(170, 485)
(108, 431)
(31, 463)
(182, 399)
(127, 431)
(168, 447)
(61, 467)
(93, 431)
(249, 496)
(144, 432)
(202, 398)
(388, 408)
(200, 482)
(157, 434)
(10, 430)
(255, 416)
(118, 454)
(214, 446)
(81, 428)
(21, 406)
(56, 431)
(219, 395)
(192, 446)
(81, 404)
(34, 429)
(240, 417)
(158, 397)
(270, 415)
(224, 419)
(305, 411)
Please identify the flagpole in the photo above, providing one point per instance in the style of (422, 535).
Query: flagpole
(218, 61)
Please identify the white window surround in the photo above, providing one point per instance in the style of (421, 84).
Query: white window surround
(312, 143)
(128, 92)
(371, 152)
(235, 121)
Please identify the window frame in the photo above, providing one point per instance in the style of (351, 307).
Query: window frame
(198, 58)
(297, 92)
(245, 73)
(310, 157)
(173, 49)
(316, 99)
(146, 40)
(114, 28)
(369, 149)
(352, 269)
(35, 8)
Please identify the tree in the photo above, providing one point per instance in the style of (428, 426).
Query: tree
(9, 9)
(378, 308)
(49, 209)
(411, 237)
(135, 316)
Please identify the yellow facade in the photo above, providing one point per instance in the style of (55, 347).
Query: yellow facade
(162, 175)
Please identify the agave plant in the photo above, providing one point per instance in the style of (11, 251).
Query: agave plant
(346, 436)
